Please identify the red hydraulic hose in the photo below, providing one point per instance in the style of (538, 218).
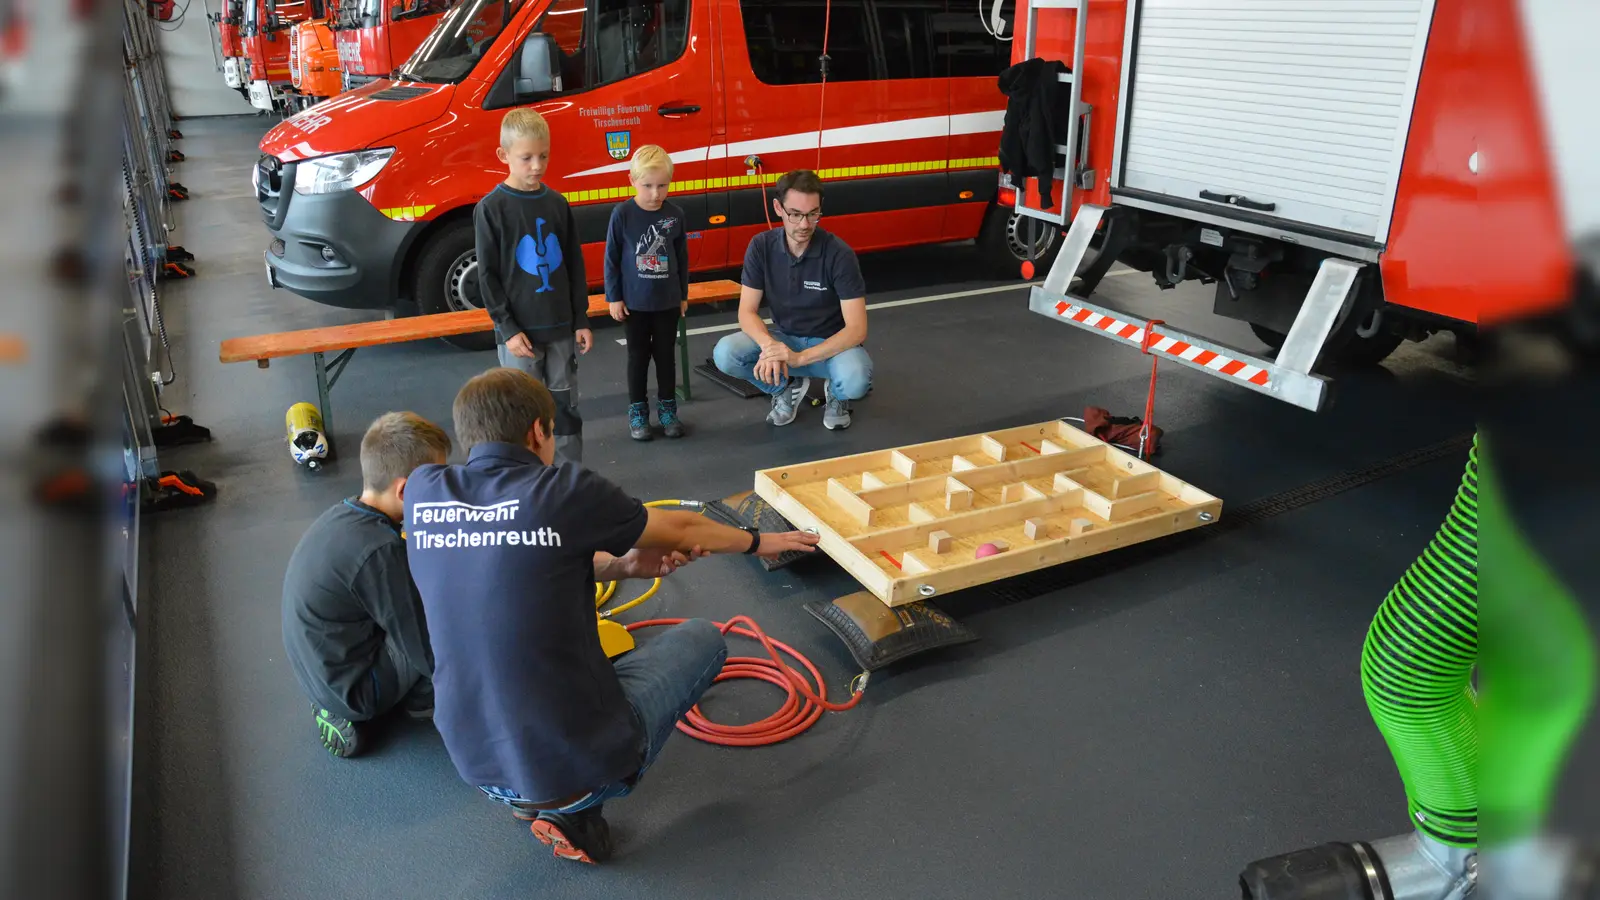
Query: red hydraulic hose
(802, 707)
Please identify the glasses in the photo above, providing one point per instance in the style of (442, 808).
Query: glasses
(797, 217)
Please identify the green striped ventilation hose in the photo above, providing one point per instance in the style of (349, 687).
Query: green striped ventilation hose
(1537, 670)
(1416, 672)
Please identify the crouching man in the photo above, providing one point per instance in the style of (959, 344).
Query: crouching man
(506, 550)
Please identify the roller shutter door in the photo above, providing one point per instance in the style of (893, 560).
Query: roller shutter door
(1302, 104)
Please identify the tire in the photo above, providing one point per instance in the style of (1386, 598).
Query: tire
(1003, 243)
(445, 280)
(1356, 345)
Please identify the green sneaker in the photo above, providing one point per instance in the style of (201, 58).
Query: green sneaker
(338, 734)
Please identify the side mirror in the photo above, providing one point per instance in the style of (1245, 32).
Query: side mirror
(536, 67)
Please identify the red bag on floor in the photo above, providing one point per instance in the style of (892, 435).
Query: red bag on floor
(1122, 430)
(162, 10)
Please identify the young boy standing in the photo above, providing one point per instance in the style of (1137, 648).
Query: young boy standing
(530, 274)
(647, 286)
(353, 624)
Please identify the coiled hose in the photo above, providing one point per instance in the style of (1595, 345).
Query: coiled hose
(805, 699)
(1416, 669)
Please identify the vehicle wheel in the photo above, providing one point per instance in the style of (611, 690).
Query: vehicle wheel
(1364, 343)
(1004, 243)
(1273, 339)
(446, 280)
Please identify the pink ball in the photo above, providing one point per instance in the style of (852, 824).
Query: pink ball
(986, 550)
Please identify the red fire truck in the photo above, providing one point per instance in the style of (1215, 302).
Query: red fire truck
(376, 36)
(228, 21)
(314, 56)
(1326, 165)
(369, 197)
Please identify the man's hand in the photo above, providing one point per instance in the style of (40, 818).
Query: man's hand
(619, 310)
(519, 345)
(772, 371)
(646, 563)
(584, 339)
(778, 543)
(776, 358)
(683, 308)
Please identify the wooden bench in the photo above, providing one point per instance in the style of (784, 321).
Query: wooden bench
(346, 339)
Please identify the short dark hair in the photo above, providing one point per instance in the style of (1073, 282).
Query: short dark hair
(395, 444)
(803, 180)
(500, 406)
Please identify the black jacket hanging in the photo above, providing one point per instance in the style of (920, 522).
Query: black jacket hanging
(1028, 138)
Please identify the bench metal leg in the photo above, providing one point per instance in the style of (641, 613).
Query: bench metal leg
(683, 358)
(327, 376)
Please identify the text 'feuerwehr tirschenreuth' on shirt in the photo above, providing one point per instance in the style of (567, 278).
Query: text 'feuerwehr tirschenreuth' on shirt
(454, 512)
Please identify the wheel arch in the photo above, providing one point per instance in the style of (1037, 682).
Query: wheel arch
(411, 250)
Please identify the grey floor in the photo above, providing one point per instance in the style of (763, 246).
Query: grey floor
(1142, 734)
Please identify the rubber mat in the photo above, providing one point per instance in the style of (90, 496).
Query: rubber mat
(745, 389)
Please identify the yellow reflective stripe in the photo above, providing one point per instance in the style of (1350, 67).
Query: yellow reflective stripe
(738, 181)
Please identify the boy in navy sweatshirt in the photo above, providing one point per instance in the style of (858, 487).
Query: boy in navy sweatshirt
(530, 274)
(647, 286)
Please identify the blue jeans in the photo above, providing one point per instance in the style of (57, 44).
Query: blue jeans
(663, 679)
(849, 373)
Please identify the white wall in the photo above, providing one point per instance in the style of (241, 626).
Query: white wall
(1560, 36)
(194, 66)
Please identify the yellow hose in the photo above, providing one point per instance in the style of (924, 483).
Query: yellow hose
(603, 593)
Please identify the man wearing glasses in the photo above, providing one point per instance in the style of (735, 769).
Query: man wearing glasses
(812, 283)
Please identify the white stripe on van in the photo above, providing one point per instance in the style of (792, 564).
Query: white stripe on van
(850, 135)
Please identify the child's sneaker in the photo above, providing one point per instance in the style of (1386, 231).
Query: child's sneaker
(338, 734)
(639, 421)
(667, 413)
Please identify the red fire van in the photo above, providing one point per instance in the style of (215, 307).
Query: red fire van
(369, 196)
(377, 36)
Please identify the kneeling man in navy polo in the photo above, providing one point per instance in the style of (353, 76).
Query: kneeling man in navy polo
(505, 551)
(812, 282)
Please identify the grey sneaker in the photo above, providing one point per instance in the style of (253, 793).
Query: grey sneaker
(786, 403)
(837, 414)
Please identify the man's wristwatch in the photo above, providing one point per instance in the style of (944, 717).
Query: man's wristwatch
(755, 538)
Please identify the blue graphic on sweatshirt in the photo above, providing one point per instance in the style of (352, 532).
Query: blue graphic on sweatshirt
(540, 256)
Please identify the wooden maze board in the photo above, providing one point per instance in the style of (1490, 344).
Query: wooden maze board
(907, 522)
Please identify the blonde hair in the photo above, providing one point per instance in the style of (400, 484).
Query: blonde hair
(523, 123)
(650, 158)
(395, 444)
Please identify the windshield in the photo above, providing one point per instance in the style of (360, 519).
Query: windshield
(460, 39)
(250, 13)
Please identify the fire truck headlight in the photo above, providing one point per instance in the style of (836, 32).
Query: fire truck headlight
(340, 172)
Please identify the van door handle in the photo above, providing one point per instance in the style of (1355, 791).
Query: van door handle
(1238, 200)
(677, 110)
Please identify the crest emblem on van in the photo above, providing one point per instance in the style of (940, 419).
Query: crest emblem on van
(619, 143)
